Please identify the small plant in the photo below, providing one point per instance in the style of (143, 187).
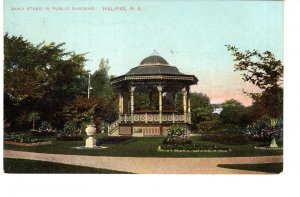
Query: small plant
(273, 123)
(71, 132)
(182, 139)
(70, 127)
(45, 127)
(33, 116)
(175, 130)
(176, 135)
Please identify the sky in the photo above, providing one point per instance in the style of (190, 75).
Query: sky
(189, 34)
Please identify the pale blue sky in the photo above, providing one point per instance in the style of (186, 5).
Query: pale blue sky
(196, 31)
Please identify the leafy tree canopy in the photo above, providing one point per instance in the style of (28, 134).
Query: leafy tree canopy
(43, 76)
(266, 72)
(261, 69)
(232, 112)
(100, 81)
(201, 108)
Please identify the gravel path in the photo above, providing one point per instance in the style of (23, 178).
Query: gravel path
(150, 165)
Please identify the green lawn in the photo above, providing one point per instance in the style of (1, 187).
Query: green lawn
(31, 166)
(264, 167)
(146, 147)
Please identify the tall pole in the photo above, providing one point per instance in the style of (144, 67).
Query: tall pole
(89, 85)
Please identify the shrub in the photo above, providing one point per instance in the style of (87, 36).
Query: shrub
(175, 130)
(44, 130)
(182, 139)
(45, 127)
(265, 129)
(176, 135)
(209, 126)
(70, 127)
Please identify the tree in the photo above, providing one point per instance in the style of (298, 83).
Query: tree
(201, 108)
(261, 69)
(84, 111)
(105, 111)
(100, 81)
(232, 112)
(33, 116)
(42, 76)
(264, 71)
(22, 78)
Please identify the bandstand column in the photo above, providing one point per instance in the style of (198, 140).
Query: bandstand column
(184, 94)
(121, 104)
(160, 102)
(189, 106)
(122, 108)
(132, 102)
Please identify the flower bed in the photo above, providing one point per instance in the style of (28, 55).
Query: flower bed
(190, 148)
(28, 144)
(182, 139)
(178, 141)
(265, 129)
(177, 135)
(22, 139)
(268, 148)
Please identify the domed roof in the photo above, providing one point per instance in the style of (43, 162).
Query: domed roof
(154, 60)
(155, 68)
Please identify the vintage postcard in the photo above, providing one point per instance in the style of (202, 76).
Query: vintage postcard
(143, 87)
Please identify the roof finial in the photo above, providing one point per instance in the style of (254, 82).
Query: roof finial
(154, 53)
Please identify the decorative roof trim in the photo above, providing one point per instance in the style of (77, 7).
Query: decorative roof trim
(159, 77)
(156, 64)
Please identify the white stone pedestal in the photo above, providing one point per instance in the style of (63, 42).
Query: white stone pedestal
(90, 142)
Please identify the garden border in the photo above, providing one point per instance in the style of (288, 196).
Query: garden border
(27, 144)
(191, 151)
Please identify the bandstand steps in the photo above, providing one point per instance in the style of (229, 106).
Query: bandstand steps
(114, 129)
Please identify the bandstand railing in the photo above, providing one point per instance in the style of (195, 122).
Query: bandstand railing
(148, 118)
(153, 118)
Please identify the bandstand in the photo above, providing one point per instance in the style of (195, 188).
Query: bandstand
(152, 97)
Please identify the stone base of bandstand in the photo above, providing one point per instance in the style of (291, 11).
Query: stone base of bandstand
(148, 129)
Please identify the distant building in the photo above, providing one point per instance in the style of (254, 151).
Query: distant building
(217, 108)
